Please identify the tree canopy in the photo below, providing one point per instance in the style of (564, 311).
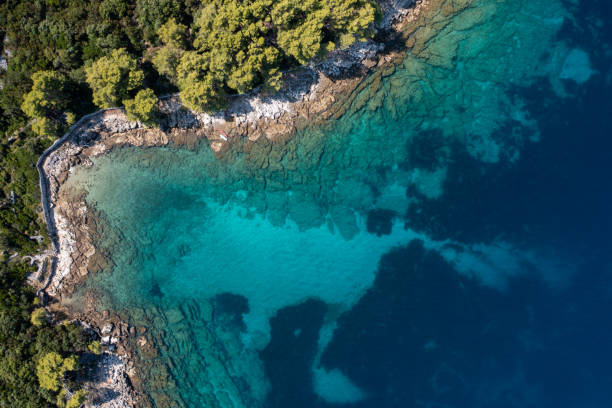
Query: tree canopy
(46, 102)
(199, 86)
(307, 28)
(51, 369)
(238, 45)
(38, 316)
(111, 78)
(143, 107)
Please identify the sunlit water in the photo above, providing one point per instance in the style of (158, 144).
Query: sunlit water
(444, 243)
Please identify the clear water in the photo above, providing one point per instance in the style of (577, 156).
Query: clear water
(442, 244)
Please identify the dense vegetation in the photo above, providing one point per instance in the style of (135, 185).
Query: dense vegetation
(39, 359)
(61, 59)
(67, 56)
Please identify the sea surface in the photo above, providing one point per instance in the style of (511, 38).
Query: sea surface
(445, 243)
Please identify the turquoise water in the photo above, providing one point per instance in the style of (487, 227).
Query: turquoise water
(248, 271)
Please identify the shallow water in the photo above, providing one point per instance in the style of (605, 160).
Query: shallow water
(444, 243)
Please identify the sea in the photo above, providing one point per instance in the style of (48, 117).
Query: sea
(444, 243)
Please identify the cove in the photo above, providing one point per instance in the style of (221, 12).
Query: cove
(279, 224)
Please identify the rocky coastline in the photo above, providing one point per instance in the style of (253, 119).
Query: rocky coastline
(314, 94)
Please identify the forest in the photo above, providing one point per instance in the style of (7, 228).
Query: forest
(61, 59)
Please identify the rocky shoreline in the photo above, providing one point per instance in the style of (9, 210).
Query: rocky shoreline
(314, 94)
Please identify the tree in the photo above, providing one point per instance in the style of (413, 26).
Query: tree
(200, 88)
(152, 14)
(46, 94)
(300, 27)
(233, 35)
(38, 317)
(51, 369)
(143, 107)
(166, 60)
(45, 102)
(307, 28)
(173, 34)
(111, 78)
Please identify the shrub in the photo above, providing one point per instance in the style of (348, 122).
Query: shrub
(143, 107)
(95, 347)
(51, 369)
(38, 317)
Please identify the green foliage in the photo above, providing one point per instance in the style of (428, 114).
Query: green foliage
(95, 347)
(143, 107)
(200, 88)
(274, 81)
(38, 317)
(52, 368)
(240, 44)
(69, 118)
(77, 399)
(231, 35)
(152, 14)
(20, 195)
(45, 102)
(173, 34)
(24, 345)
(46, 94)
(111, 78)
(49, 371)
(166, 60)
(308, 28)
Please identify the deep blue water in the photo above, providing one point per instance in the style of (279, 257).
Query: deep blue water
(439, 250)
(423, 336)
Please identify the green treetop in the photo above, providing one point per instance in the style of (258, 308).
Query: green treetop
(240, 44)
(111, 78)
(77, 399)
(143, 107)
(167, 58)
(95, 347)
(232, 35)
(46, 102)
(38, 317)
(173, 33)
(151, 14)
(200, 87)
(51, 369)
(307, 28)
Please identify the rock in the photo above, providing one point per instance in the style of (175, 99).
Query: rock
(107, 328)
(142, 341)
